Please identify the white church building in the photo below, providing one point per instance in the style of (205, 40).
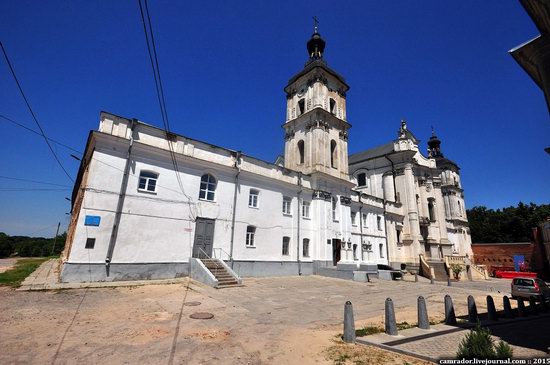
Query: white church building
(151, 204)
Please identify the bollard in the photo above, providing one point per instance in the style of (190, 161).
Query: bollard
(507, 307)
(543, 305)
(472, 310)
(423, 321)
(349, 323)
(533, 306)
(521, 308)
(416, 277)
(450, 317)
(448, 281)
(491, 310)
(391, 324)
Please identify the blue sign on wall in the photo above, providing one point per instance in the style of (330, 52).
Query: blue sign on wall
(92, 220)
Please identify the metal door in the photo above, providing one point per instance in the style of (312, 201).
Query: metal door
(204, 237)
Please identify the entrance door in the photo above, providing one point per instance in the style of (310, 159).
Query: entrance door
(204, 238)
(336, 250)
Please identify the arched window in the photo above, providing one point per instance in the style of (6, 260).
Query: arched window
(301, 151)
(362, 179)
(208, 187)
(333, 154)
(332, 103)
(301, 106)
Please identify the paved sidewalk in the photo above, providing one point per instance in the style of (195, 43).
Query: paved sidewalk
(526, 336)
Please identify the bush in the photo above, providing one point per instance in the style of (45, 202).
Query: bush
(478, 344)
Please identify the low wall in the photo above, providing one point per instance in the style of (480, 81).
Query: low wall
(270, 268)
(84, 272)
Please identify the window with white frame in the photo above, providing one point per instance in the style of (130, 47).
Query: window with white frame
(287, 205)
(286, 246)
(365, 220)
(148, 181)
(253, 198)
(208, 187)
(381, 250)
(353, 218)
(379, 222)
(250, 235)
(305, 247)
(334, 208)
(305, 209)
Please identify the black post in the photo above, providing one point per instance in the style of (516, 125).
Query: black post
(491, 310)
(472, 310)
(391, 324)
(55, 239)
(423, 321)
(450, 317)
(349, 323)
(507, 307)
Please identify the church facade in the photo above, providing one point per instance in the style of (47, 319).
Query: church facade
(147, 201)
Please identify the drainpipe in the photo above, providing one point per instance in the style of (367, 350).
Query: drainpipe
(393, 178)
(361, 224)
(121, 196)
(238, 167)
(298, 245)
(386, 233)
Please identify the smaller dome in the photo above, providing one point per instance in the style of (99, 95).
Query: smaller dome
(316, 46)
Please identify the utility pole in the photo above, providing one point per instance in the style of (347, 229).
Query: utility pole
(55, 239)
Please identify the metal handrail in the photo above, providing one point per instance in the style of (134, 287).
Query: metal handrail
(221, 250)
(210, 258)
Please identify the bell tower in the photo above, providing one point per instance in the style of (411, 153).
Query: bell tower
(316, 129)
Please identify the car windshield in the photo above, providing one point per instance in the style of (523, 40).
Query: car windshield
(523, 282)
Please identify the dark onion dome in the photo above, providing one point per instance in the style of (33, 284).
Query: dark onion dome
(434, 146)
(316, 46)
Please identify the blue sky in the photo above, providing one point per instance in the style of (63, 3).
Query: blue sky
(225, 63)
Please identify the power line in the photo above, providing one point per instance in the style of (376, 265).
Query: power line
(32, 112)
(34, 189)
(151, 49)
(38, 133)
(33, 181)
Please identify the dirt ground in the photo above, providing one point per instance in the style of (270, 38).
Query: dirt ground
(294, 320)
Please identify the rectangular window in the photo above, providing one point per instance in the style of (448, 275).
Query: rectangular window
(90, 243)
(287, 203)
(148, 181)
(381, 250)
(365, 220)
(379, 223)
(250, 235)
(253, 198)
(286, 244)
(305, 209)
(334, 208)
(398, 232)
(305, 247)
(353, 218)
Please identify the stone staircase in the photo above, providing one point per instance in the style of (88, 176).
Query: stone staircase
(439, 270)
(225, 278)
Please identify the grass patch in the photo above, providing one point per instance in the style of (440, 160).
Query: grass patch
(368, 330)
(23, 268)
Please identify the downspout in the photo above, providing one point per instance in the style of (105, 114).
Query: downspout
(393, 178)
(121, 196)
(238, 167)
(298, 228)
(386, 233)
(361, 224)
